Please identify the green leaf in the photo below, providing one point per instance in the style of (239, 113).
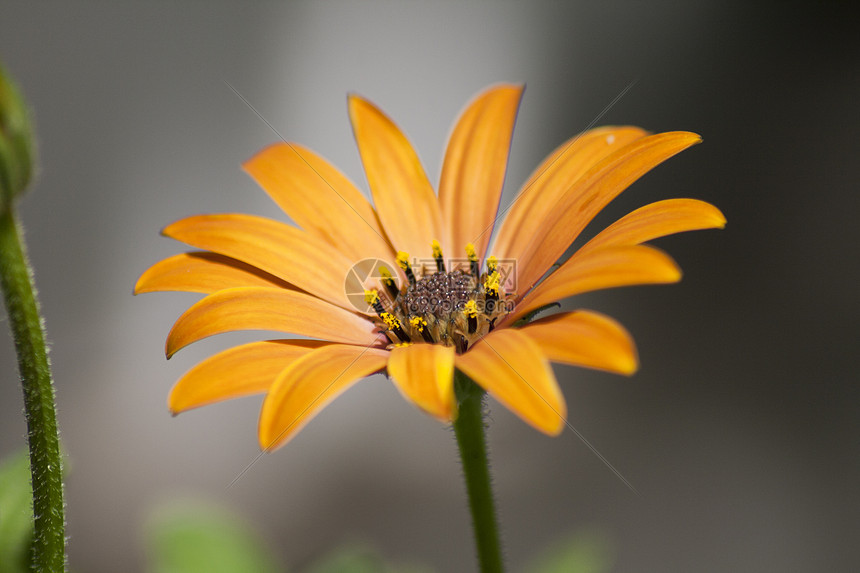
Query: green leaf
(359, 558)
(585, 551)
(187, 537)
(16, 513)
(353, 558)
(16, 142)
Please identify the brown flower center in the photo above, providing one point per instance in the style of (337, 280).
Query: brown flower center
(455, 308)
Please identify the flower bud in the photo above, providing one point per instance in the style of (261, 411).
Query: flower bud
(16, 142)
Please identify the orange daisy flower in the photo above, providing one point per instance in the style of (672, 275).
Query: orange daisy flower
(370, 286)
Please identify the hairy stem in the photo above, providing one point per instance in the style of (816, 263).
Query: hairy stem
(49, 542)
(469, 429)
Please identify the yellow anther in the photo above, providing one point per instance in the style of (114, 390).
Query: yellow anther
(471, 309)
(470, 252)
(437, 249)
(492, 284)
(388, 281)
(492, 263)
(402, 344)
(418, 323)
(437, 255)
(390, 320)
(371, 297)
(403, 259)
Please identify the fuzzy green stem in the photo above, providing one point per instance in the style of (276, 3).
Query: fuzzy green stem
(49, 542)
(469, 429)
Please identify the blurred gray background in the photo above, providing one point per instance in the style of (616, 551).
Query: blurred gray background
(741, 428)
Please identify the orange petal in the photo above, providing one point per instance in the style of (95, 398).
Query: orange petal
(513, 369)
(424, 374)
(310, 383)
(474, 168)
(239, 371)
(658, 220)
(585, 338)
(590, 194)
(320, 199)
(277, 248)
(204, 273)
(603, 268)
(554, 177)
(261, 308)
(403, 196)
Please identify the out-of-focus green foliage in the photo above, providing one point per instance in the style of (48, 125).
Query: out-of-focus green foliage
(582, 552)
(359, 558)
(16, 513)
(16, 142)
(186, 537)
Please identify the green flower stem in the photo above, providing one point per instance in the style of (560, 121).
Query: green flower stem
(49, 542)
(469, 429)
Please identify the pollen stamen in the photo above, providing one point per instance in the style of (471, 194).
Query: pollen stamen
(403, 261)
(389, 283)
(471, 312)
(420, 324)
(437, 255)
(394, 325)
(472, 255)
(492, 285)
(371, 297)
(491, 291)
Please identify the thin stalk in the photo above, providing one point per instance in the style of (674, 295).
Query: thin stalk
(49, 541)
(469, 429)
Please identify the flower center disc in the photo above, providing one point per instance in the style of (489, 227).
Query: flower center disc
(451, 308)
(438, 295)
